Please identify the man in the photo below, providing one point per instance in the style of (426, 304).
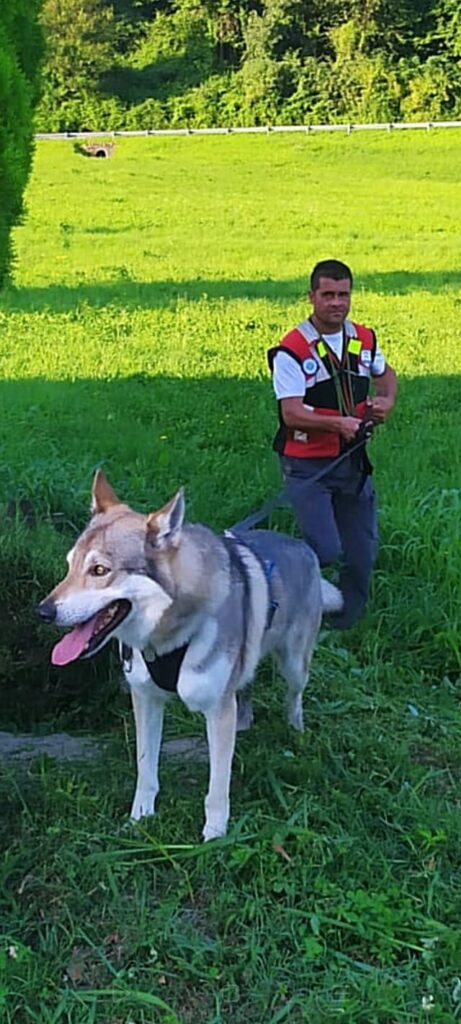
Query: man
(322, 373)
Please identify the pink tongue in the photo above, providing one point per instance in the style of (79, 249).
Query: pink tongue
(72, 644)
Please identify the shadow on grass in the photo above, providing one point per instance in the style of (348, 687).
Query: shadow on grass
(152, 434)
(131, 294)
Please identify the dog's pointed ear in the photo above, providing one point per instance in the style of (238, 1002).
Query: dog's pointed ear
(164, 527)
(102, 497)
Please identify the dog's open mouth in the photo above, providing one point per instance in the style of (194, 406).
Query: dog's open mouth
(85, 639)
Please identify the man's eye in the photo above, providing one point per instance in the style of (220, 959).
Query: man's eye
(99, 570)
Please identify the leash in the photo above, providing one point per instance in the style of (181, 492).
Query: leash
(280, 500)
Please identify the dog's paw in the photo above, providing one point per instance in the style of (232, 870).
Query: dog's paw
(143, 806)
(216, 831)
(295, 713)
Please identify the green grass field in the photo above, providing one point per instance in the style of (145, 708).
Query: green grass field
(147, 290)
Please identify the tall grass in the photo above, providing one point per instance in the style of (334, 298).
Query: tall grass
(148, 288)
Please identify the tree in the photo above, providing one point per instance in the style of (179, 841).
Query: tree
(117, 64)
(20, 53)
(79, 41)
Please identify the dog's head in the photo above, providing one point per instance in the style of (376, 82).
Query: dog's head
(120, 580)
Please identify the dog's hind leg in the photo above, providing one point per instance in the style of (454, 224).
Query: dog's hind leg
(221, 724)
(244, 710)
(294, 661)
(293, 670)
(148, 707)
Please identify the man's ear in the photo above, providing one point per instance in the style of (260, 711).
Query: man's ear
(102, 497)
(164, 527)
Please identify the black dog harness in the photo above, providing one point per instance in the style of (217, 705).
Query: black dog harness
(165, 668)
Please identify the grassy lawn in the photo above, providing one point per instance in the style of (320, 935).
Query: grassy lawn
(147, 290)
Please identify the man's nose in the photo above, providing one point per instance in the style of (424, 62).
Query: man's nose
(46, 610)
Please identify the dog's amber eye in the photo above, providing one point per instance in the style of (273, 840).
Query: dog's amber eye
(99, 570)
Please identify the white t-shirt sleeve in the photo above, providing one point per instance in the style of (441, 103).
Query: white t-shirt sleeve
(288, 378)
(378, 365)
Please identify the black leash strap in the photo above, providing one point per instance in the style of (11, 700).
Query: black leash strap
(277, 501)
(280, 500)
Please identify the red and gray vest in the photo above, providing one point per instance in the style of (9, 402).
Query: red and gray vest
(333, 386)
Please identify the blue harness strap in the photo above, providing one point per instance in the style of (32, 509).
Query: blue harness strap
(273, 604)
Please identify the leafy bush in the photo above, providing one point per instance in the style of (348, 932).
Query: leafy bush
(196, 63)
(433, 90)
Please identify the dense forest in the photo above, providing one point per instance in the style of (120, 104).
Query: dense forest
(175, 63)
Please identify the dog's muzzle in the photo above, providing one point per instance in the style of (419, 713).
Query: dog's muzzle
(46, 610)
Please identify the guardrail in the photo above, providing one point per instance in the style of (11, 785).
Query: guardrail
(306, 129)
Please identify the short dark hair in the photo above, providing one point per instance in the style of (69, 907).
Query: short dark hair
(330, 268)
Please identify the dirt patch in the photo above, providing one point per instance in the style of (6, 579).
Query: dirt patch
(24, 747)
(62, 746)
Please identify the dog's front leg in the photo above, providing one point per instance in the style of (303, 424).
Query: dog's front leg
(221, 725)
(148, 707)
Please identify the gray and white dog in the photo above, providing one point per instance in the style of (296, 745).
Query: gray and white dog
(194, 613)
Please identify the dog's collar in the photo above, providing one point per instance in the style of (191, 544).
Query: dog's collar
(164, 669)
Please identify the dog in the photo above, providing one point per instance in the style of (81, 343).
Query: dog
(193, 613)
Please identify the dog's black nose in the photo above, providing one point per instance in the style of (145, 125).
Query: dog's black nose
(46, 610)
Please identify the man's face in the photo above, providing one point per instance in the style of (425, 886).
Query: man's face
(331, 302)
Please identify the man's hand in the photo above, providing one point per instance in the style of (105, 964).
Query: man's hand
(379, 408)
(382, 403)
(348, 427)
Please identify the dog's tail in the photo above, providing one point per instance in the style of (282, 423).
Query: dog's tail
(332, 598)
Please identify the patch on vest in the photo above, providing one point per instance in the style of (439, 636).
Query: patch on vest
(310, 366)
(365, 357)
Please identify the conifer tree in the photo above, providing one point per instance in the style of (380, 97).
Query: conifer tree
(20, 54)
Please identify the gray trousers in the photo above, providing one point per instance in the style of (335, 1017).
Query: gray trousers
(337, 518)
